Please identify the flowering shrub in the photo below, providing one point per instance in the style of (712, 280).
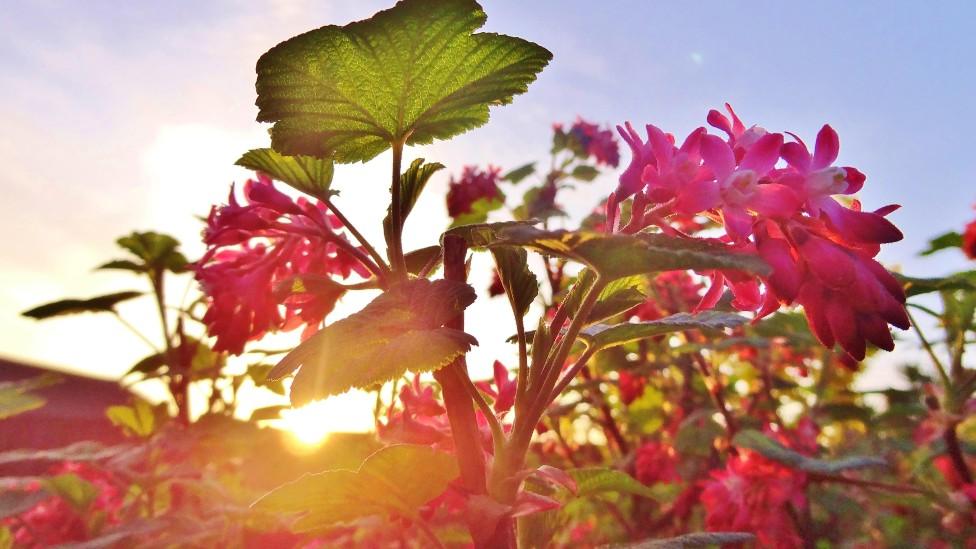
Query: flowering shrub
(637, 400)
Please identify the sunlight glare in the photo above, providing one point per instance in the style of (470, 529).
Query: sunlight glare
(311, 424)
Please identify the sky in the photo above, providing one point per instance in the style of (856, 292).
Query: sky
(122, 116)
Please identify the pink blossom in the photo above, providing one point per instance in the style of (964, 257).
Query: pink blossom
(473, 185)
(597, 143)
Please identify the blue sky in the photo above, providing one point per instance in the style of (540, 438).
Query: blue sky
(124, 115)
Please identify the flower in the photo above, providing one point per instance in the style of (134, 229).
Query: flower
(969, 240)
(596, 143)
(256, 249)
(473, 185)
(821, 250)
(631, 386)
(656, 462)
(502, 388)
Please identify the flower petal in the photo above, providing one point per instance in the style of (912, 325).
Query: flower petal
(763, 154)
(718, 156)
(774, 200)
(826, 149)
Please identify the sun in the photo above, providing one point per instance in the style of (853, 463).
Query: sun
(311, 424)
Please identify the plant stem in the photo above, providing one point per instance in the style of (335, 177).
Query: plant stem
(395, 245)
(497, 433)
(357, 235)
(135, 331)
(947, 383)
(951, 440)
(522, 380)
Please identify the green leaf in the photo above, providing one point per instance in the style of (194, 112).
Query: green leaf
(480, 209)
(156, 250)
(702, 539)
(310, 175)
(772, 449)
(424, 258)
(412, 183)
(950, 239)
(965, 280)
(393, 482)
(78, 492)
(136, 420)
(615, 255)
(413, 73)
(16, 398)
(100, 304)
(398, 331)
(122, 265)
(148, 365)
(520, 284)
(602, 336)
(585, 172)
(592, 481)
(520, 173)
(617, 297)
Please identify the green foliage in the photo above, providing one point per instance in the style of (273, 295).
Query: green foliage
(16, 397)
(944, 241)
(138, 420)
(412, 183)
(63, 307)
(520, 284)
(918, 286)
(78, 492)
(520, 173)
(593, 481)
(156, 251)
(601, 336)
(413, 73)
(772, 449)
(701, 539)
(398, 331)
(614, 255)
(480, 209)
(585, 172)
(310, 175)
(393, 482)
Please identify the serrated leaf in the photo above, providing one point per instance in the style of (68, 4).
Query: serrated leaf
(965, 280)
(310, 175)
(584, 172)
(398, 331)
(412, 73)
(520, 173)
(701, 539)
(944, 241)
(100, 304)
(616, 255)
(520, 284)
(78, 492)
(591, 481)
(412, 183)
(423, 258)
(602, 336)
(393, 482)
(772, 449)
(616, 297)
(136, 420)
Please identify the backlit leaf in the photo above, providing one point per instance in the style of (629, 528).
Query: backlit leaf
(591, 481)
(100, 304)
(156, 250)
(917, 286)
(602, 336)
(615, 255)
(16, 397)
(772, 449)
(412, 183)
(398, 331)
(520, 173)
(137, 420)
(75, 490)
(944, 241)
(310, 175)
(412, 73)
(393, 482)
(520, 284)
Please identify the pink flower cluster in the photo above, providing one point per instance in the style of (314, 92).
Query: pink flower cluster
(755, 494)
(596, 143)
(775, 198)
(256, 248)
(473, 185)
(969, 240)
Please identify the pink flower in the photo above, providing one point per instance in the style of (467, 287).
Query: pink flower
(474, 184)
(969, 240)
(597, 143)
(656, 462)
(502, 388)
(631, 386)
(254, 249)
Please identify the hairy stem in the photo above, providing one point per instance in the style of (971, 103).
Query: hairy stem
(395, 245)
